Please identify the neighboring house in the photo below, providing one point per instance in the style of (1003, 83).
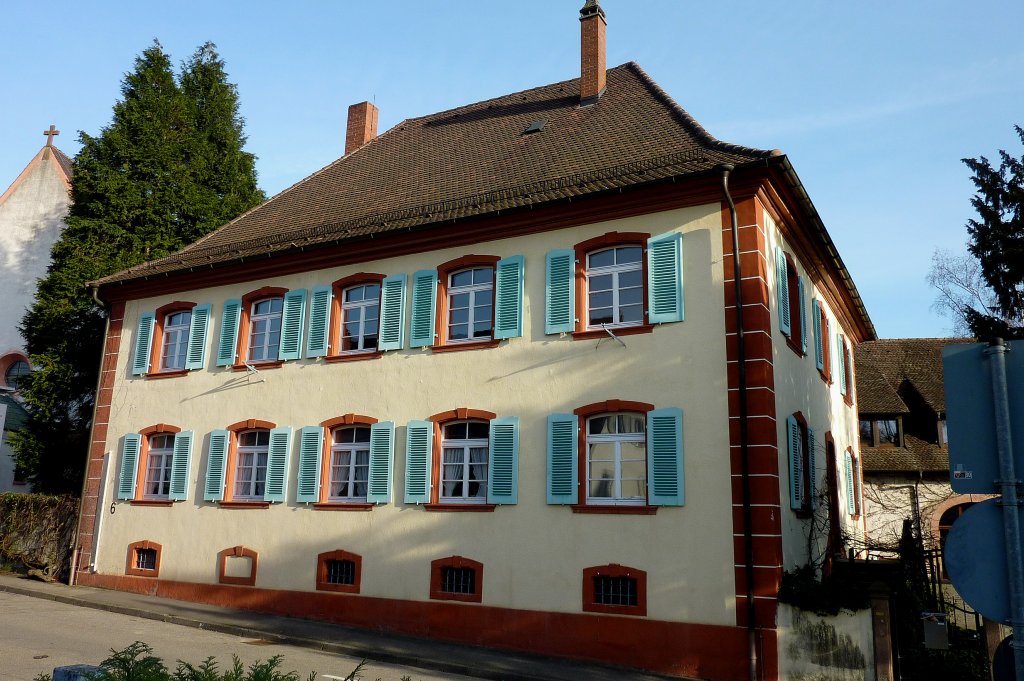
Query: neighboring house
(32, 213)
(477, 380)
(903, 440)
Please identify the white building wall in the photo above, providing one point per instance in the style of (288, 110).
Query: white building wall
(533, 553)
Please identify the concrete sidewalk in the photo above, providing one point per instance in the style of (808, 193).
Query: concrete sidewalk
(483, 663)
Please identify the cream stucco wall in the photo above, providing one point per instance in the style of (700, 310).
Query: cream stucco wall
(533, 553)
(31, 219)
(799, 388)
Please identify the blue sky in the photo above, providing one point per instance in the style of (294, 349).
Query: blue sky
(875, 103)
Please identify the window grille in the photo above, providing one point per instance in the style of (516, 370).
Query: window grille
(145, 559)
(458, 580)
(341, 572)
(615, 590)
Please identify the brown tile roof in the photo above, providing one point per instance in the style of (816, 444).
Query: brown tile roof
(915, 455)
(884, 368)
(475, 160)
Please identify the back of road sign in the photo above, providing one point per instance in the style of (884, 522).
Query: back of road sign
(970, 417)
(975, 557)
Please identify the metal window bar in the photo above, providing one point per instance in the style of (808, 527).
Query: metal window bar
(615, 590)
(145, 559)
(341, 572)
(458, 580)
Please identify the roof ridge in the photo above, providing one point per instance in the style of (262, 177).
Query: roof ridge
(689, 120)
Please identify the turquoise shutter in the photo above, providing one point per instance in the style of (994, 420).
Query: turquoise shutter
(665, 278)
(665, 457)
(424, 301)
(181, 466)
(319, 321)
(392, 313)
(216, 462)
(228, 342)
(382, 456)
(198, 334)
(782, 289)
(508, 298)
(278, 454)
(293, 318)
(307, 489)
(143, 343)
(850, 503)
(819, 352)
(560, 291)
(841, 358)
(827, 338)
(503, 467)
(563, 467)
(130, 448)
(801, 297)
(419, 441)
(812, 469)
(796, 464)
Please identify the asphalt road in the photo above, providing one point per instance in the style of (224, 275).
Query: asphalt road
(37, 635)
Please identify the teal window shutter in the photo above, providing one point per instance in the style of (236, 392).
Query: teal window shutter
(392, 313)
(563, 459)
(801, 297)
(665, 457)
(319, 321)
(293, 318)
(827, 338)
(665, 278)
(419, 442)
(216, 462)
(311, 440)
(508, 298)
(841, 358)
(503, 468)
(382, 456)
(560, 291)
(198, 335)
(812, 469)
(181, 466)
(782, 289)
(851, 507)
(424, 301)
(278, 454)
(819, 351)
(796, 464)
(143, 343)
(228, 343)
(130, 448)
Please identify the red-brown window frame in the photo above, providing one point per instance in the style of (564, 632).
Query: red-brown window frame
(321, 572)
(599, 243)
(855, 471)
(848, 371)
(583, 413)
(797, 332)
(334, 351)
(140, 475)
(456, 562)
(231, 463)
(157, 345)
(133, 548)
(439, 420)
(244, 318)
(615, 570)
(444, 272)
(329, 426)
(7, 361)
(239, 552)
(826, 346)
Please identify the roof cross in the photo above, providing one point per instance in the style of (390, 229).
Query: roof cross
(50, 133)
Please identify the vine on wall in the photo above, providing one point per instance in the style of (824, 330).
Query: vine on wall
(36, 534)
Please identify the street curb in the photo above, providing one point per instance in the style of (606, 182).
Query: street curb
(446, 665)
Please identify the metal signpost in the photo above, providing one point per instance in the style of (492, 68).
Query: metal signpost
(982, 420)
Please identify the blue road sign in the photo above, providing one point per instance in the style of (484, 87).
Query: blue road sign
(970, 420)
(975, 556)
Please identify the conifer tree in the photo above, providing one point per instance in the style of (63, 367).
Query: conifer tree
(169, 168)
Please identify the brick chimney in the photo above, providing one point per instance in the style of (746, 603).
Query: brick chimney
(592, 64)
(362, 125)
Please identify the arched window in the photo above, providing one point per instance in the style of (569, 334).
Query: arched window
(617, 458)
(470, 305)
(615, 287)
(360, 310)
(175, 340)
(265, 329)
(14, 372)
(464, 460)
(350, 464)
(251, 464)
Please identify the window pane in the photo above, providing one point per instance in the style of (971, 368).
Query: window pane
(455, 431)
(458, 315)
(360, 434)
(631, 296)
(602, 258)
(601, 424)
(601, 452)
(479, 430)
(482, 298)
(631, 423)
(628, 254)
(631, 313)
(887, 432)
(865, 430)
(459, 332)
(601, 299)
(483, 275)
(601, 283)
(600, 316)
(631, 278)
(464, 278)
(354, 294)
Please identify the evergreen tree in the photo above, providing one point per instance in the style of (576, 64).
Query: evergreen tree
(168, 169)
(997, 241)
